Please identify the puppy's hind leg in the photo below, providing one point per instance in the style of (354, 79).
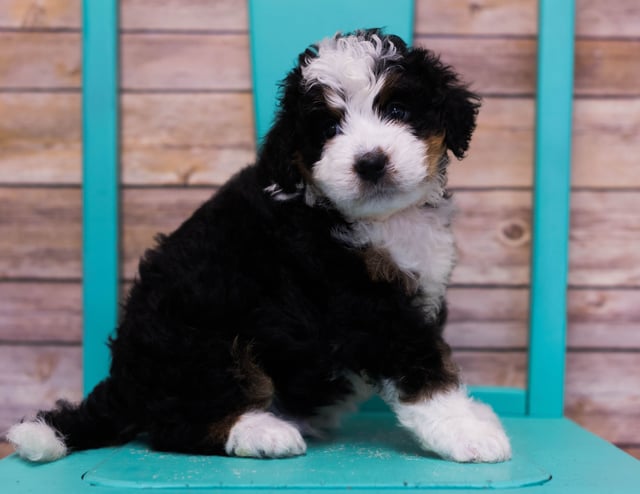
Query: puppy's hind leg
(246, 427)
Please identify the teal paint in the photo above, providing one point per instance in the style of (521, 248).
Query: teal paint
(99, 184)
(578, 462)
(552, 182)
(281, 30)
(370, 453)
(510, 402)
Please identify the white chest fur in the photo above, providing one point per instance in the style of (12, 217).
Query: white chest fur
(420, 242)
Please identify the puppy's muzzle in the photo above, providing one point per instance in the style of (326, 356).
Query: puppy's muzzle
(372, 166)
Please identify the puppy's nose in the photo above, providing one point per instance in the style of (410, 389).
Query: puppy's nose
(371, 166)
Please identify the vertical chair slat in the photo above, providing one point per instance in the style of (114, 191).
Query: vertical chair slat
(281, 30)
(552, 182)
(100, 184)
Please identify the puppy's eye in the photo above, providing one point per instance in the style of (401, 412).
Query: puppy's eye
(331, 129)
(396, 111)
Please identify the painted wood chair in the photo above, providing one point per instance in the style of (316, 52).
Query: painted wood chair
(551, 454)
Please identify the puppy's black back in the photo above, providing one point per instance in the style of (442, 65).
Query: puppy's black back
(253, 303)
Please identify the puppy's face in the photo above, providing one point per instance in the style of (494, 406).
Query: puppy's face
(371, 122)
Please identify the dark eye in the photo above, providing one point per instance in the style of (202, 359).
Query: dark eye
(331, 129)
(396, 111)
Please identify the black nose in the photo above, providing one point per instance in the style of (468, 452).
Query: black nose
(371, 166)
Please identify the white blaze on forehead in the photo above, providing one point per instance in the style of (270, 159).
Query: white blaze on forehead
(346, 68)
(350, 72)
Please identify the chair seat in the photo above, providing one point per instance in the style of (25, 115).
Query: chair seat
(370, 453)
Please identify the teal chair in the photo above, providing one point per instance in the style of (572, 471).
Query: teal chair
(551, 453)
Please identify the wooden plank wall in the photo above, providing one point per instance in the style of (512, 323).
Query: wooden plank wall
(187, 125)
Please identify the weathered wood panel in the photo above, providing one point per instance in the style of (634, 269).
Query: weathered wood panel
(602, 388)
(205, 138)
(184, 61)
(519, 17)
(40, 233)
(40, 14)
(501, 151)
(603, 393)
(34, 377)
(510, 68)
(493, 237)
(462, 17)
(632, 450)
(471, 17)
(34, 59)
(601, 66)
(40, 60)
(605, 143)
(186, 138)
(604, 319)
(166, 139)
(46, 311)
(41, 142)
(498, 318)
(479, 318)
(487, 317)
(607, 71)
(605, 235)
(225, 15)
(174, 139)
(5, 449)
(598, 18)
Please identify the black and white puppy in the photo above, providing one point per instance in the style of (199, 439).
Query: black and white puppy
(310, 280)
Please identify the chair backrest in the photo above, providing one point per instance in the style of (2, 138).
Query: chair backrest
(552, 185)
(278, 32)
(281, 30)
(100, 180)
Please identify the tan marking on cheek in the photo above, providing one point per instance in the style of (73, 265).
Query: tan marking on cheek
(435, 151)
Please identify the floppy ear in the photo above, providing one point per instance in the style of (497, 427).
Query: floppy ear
(459, 110)
(449, 100)
(276, 156)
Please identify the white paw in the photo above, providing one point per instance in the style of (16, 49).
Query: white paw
(36, 441)
(452, 425)
(263, 435)
(472, 440)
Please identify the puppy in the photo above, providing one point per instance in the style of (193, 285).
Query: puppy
(312, 279)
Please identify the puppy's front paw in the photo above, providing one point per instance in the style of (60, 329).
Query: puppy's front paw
(263, 435)
(454, 426)
(471, 440)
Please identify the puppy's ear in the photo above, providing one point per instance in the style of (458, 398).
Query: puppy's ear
(453, 104)
(459, 111)
(276, 156)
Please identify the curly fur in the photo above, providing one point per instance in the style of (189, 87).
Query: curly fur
(259, 313)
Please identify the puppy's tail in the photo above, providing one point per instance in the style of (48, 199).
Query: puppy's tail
(97, 421)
